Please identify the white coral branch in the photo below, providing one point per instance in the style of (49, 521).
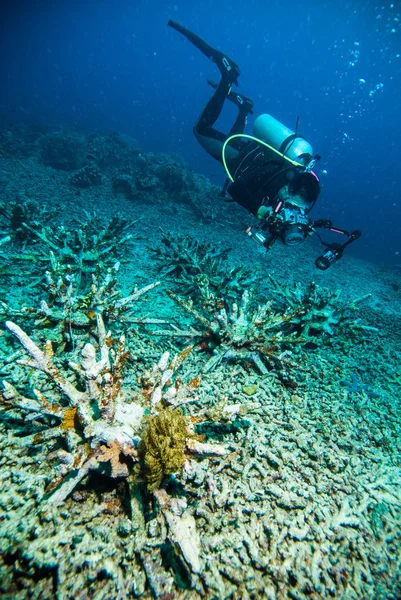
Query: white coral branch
(195, 447)
(43, 361)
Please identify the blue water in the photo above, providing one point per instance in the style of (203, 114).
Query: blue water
(117, 66)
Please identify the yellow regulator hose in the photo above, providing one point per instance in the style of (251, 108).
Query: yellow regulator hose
(254, 139)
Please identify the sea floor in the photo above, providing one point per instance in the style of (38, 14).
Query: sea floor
(305, 500)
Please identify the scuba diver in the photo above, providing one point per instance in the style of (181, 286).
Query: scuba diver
(270, 173)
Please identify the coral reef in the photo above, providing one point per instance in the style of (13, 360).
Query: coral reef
(18, 142)
(240, 333)
(206, 205)
(86, 176)
(111, 151)
(83, 245)
(123, 184)
(287, 483)
(19, 216)
(70, 310)
(62, 151)
(99, 416)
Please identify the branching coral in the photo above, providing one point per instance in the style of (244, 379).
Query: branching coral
(203, 272)
(99, 419)
(84, 244)
(103, 419)
(319, 310)
(20, 216)
(68, 311)
(240, 333)
(200, 269)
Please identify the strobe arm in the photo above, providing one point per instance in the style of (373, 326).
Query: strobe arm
(333, 251)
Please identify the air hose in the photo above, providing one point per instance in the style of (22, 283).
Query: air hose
(254, 139)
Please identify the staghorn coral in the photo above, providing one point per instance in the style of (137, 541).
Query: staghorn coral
(85, 243)
(69, 309)
(99, 419)
(98, 414)
(262, 336)
(18, 216)
(240, 334)
(201, 270)
(319, 311)
(83, 246)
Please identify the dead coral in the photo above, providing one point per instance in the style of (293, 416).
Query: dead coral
(240, 333)
(104, 417)
(70, 306)
(85, 243)
(201, 270)
(83, 247)
(21, 214)
(103, 422)
(319, 310)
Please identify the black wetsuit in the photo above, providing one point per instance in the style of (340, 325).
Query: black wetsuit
(211, 139)
(258, 175)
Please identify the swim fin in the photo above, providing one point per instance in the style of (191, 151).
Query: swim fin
(227, 67)
(241, 101)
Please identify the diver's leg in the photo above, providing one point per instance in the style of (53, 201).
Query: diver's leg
(244, 105)
(227, 67)
(239, 125)
(213, 108)
(240, 122)
(241, 101)
(209, 138)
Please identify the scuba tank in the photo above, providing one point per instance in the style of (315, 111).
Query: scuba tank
(282, 139)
